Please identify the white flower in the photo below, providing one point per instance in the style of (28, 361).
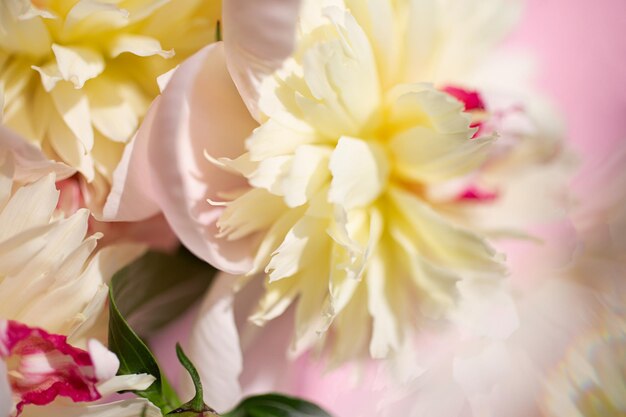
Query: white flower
(78, 76)
(53, 290)
(49, 276)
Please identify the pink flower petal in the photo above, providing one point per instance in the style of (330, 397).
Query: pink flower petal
(131, 196)
(258, 36)
(199, 111)
(43, 366)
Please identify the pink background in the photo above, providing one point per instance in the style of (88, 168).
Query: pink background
(581, 49)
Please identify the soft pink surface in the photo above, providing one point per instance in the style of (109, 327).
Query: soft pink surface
(581, 51)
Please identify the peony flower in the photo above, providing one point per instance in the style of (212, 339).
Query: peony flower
(88, 71)
(43, 367)
(48, 257)
(53, 292)
(341, 194)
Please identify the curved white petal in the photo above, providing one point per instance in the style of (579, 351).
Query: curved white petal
(199, 112)
(258, 36)
(214, 345)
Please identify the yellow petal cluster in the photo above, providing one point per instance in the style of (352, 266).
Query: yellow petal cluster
(77, 76)
(339, 176)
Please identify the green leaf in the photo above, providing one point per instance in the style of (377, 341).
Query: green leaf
(159, 287)
(135, 357)
(276, 405)
(144, 296)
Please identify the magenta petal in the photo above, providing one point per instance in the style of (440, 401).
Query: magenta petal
(48, 367)
(471, 99)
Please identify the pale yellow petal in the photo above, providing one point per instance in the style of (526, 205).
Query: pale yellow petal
(299, 248)
(307, 174)
(360, 172)
(138, 45)
(256, 210)
(441, 240)
(70, 148)
(78, 64)
(73, 107)
(31, 206)
(111, 113)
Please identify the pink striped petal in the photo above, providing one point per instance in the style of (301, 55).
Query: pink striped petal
(43, 366)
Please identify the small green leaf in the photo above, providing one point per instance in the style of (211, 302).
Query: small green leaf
(159, 287)
(276, 405)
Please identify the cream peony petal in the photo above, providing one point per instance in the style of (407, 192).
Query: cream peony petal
(23, 211)
(448, 37)
(438, 285)
(30, 35)
(307, 174)
(443, 241)
(78, 64)
(73, 107)
(111, 113)
(273, 238)
(214, 345)
(125, 382)
(270, 172)
(50, 75)
(258, 37)
(138, 45)
(411, 103)
(275, 301)
(70, 148)
(299, 249)
(252, 212)
(72, 266)
(378, 21)
(126, 408)
(386, 328)
(17, 251)
(274, 139)
(96, 15)
(423, 155)
(313, 294)
(360, 172)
